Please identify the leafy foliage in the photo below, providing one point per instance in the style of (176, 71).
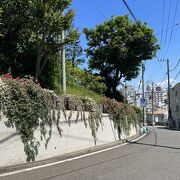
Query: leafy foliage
(82, 105)
(0, 19)
(139, 113)
(51, 77)
(79, 78)
(32, 34)
(81, 91)
(116, 49)
(27, 106)
(24, 104)
(122, 115)
(74, 54)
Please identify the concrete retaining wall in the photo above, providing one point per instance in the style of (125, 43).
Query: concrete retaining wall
(74, 137)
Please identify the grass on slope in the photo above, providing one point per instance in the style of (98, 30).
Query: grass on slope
(84, 92)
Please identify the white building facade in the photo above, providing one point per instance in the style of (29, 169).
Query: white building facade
(175, 104)
(157, 94)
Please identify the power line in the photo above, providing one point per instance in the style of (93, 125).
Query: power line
(98, 9)
(176, 76)
(129, 9)
(174, 18)
(155, 70)
(162, 21)
(177, 54)
(175, 66)
(163, 79)
(169, 12)
(169, 28)
(166, 33)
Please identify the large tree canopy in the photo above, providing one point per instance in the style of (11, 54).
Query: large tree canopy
(32, 33)
(0, 19)
(117, 48)
(74, 54)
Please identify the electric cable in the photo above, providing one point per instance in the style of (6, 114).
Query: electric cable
(176, 76)
(98, 9)
(162, 21)
(129, 9)
(175, 66)
(174, 18)
(169, 13)
(163, 79)
(169, 28)
(177, 54)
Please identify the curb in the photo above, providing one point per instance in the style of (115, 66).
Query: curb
(67, 156)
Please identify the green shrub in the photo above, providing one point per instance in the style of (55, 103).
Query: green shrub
(122, 115)
(139, 113)
(83, 92)
(27, 106)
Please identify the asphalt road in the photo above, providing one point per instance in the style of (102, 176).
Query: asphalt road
(156, 157)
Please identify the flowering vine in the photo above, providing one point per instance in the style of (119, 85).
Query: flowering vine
(122, 115)
(27, 106)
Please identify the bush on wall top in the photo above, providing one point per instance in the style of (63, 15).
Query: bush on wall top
(27, 106)
(122, 115)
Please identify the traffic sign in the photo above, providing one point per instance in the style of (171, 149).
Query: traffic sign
(143, 102)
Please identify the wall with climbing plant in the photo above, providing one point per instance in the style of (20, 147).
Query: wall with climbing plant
(28, 107)
(122, 115)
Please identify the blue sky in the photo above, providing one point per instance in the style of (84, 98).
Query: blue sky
(92, 12)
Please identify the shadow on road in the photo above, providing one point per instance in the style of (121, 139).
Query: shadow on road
(155, 145)
(165, 128)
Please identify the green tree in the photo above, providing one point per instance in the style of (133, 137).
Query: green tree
(117, 48)
(81, 78)
(93, 82)
(0, 19)
(139, 113)
(74, 54)
(32, 33)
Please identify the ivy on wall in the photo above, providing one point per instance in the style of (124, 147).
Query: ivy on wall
(27, 106)
(82, 105)
(122, 115)
(30, 108)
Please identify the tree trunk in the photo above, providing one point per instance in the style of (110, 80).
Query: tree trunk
(111, 84)
(38, 61)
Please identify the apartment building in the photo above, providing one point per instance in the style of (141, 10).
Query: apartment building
(158, 96)
(175, 104)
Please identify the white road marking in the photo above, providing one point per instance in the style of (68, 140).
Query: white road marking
(68, 160)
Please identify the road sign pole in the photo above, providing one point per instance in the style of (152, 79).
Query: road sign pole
(152, 104)
(170, 119)
(144, 120)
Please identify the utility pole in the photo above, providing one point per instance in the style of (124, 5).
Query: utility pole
(169, 97)
(125, 88)
(144, 121)
(135, 99)
(152, 103)
(63, 61)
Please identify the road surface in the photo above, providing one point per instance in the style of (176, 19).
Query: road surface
(156, 157)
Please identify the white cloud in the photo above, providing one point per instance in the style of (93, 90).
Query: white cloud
(164, 84)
